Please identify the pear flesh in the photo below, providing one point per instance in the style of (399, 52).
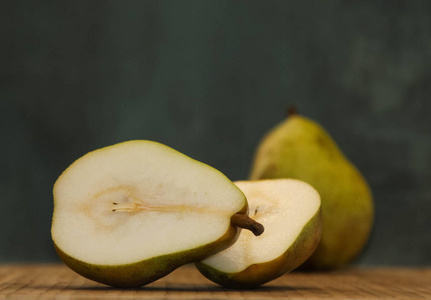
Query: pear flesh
(299, 148)
(290, 212)
(128, 214)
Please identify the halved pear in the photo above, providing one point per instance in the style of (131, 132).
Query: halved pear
(290, 211)
(128, 214)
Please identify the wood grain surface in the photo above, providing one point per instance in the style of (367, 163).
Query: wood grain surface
(59, 282)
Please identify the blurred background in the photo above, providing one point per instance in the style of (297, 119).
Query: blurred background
(209, 78)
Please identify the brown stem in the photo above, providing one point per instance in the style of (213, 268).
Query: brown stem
(245, 222)
(291, 111)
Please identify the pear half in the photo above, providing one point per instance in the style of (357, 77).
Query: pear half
(128, 214)
(290, 212)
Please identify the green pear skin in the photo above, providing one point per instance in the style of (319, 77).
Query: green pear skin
(141, 273)
(259, 274)
(300, 148)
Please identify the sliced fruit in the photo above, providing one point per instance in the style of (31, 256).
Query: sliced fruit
(128, 214)
(290, 211)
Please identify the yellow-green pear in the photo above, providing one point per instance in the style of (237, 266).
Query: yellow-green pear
(300, 148)
(128, 214)
(290, 211)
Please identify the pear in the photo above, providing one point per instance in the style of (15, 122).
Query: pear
(299, 148)
(128, 214)
(289, 210)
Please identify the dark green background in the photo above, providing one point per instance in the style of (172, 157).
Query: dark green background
(209, 78)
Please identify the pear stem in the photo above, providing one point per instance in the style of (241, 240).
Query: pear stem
(291, 110)
(245, 222)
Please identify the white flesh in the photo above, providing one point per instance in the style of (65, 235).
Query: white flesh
(283, 207)
(165, 202)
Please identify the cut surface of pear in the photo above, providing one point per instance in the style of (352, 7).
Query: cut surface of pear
(300, 148)
(290, 212)
(128, 214)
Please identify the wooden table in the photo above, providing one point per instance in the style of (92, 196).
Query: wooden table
(59, 282)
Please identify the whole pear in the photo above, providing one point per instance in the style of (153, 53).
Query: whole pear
(300, 148)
